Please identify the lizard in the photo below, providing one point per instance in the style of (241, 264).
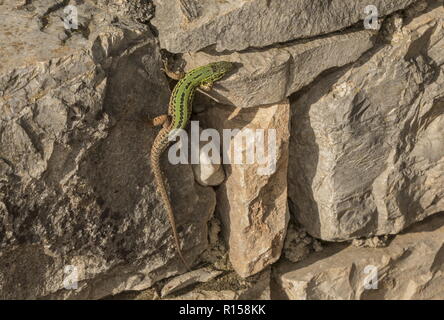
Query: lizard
(179, 113)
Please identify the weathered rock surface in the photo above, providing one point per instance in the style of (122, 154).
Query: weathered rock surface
(138, 10)
(231, 287)
(189, 278)
(191, 25)
(411, 267)
(77, 198)
(208, 172)
(226, 286)
(252, 202)
(269, 76)
(366, 151)
(298, 244)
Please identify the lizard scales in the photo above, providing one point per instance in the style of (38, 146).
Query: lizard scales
(179, 113)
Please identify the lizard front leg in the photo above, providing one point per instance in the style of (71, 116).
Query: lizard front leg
(206, 86)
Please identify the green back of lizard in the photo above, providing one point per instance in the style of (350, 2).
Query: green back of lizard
(179, 110)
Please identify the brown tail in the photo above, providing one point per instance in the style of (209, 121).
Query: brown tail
(160, 183)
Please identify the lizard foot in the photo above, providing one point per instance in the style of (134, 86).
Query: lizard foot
(207, 86)
(159, 121)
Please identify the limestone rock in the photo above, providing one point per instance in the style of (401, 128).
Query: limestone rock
(366, 151)
(231, 287)
(411, 267)
(189, 278)
(252, 202)
(271, 75)
(191, 25)
(138, 10)
(78, 206)
(207, 172)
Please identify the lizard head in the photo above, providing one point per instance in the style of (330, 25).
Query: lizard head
(219, 69)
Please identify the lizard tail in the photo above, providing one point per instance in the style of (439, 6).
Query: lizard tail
(160, 184)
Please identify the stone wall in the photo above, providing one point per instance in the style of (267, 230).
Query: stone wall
(359, 120)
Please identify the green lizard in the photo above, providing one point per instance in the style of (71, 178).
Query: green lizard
(179, 112)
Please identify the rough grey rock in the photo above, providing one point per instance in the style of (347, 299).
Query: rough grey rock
(366, 149)
(231, 287)
(411, 267)
(260, 289)
(189, 278)
(207, 172)
(77, 197)
(209, 295)
(268, 76)
(237, 25)
(138, 10)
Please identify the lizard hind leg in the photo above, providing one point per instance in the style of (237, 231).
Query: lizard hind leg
(162, 120)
